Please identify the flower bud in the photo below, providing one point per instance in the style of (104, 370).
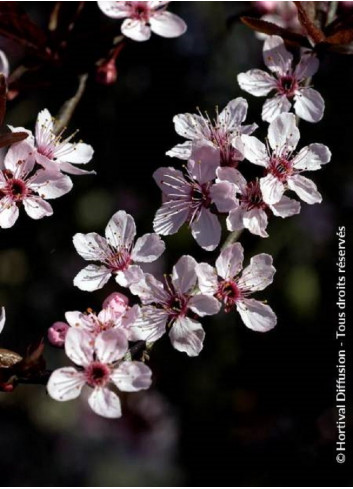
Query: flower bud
(107, 73)
(117, 302)
(57, 333)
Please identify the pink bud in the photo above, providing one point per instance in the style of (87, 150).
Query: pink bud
(117, 302)
(107, 73)
(57, 333)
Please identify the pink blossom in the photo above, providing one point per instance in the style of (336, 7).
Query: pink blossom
(282, 166)
(251, 212)
(57, 334)
(234, 289)
(112, 316)
(283, 14)
(219, 132)
(174, 306)
(102, 365)
(287, 83)
(4, 64)
(189, 197)
(58, 154)
(144, 17)
(117, 302)
(21, 184)
(117, 253)
(2, 318)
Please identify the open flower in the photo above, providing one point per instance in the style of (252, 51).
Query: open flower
(101, 366)
(219, 132)
(287, 83)
(116, 314)
(283, 168)
(117, 253)
(176, 306)
(234, 289)
(190, 197)
(21, 184)
(57, 153)
(144, 18)
(251, 212)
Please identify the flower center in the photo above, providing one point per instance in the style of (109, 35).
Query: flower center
(177, 306)
(16, 189)
(252, 198)
(97, 374)
(280, 167)
(120, 260)
(228, 292)
(141, 11)
(287, 85)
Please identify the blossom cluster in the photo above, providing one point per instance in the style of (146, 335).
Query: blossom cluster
(210, 186)
(34, 170)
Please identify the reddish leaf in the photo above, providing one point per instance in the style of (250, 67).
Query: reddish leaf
(307, 17)
(341, 37)
(12, 138)
(273, 29)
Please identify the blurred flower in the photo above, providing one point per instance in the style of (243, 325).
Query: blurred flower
(102, 364)
(57, 334)
(4, 64)
(251, 210)
(19, 185)
(283, 14)
(117, 253)
(189, 197)
(219, 133)
(225, 283)
(170, 306)
(288, 84)
(2, 319)
(144, 17)
(282, 168)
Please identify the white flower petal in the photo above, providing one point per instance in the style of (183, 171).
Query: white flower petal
(207, 278)
(286, 207)
(307, 66)
(257, 82)
(91, 246)
(132, 376)
(20, 159)
(276, 57)
(235, 219)
(204, 305)
(191, 126)
(79, 346)
(4, 64)
(50, 185)
(184, 276)
(234, 114)
(81, 153)
(65, 384)
(181, 151)
(166, 24)
(150, 325)
(71, 169)
(305, 189)
(37, 208)
(115, 10)
(105, 403)
(2, 318)
(233, 176)
(203, 162)
(256, 315)
(272, 189)
(255, 151)
(223, 196)
(275, 106)
(230, 261)
(136, 30)
(77, 319)
(148, 248)
(256, 222)
(259, 274)
(312, 157)
(149, 290)
(206, 230)
(121, 230)
(111, 345)
(309, 105)
(130, 276)
(187, 335)
(92, 277)
(283, 133)
(8, 213)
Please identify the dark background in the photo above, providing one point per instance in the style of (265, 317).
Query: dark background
(252, 409)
